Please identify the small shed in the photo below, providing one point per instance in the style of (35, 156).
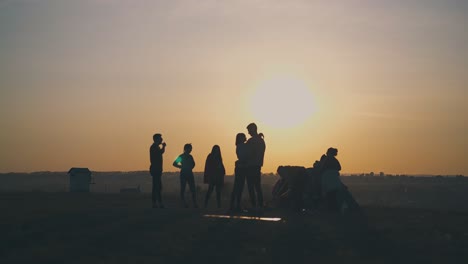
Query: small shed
(80, 179)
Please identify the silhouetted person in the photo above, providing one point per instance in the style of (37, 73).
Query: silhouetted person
(313, 191)
(186, 164)
(295, 177)
(156, 168)
(256, 147)
(331, 163)
(240, 171)
(214, 174)
(336, 193)
(331, 182)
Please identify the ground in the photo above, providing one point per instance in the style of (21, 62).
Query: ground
(59, 227)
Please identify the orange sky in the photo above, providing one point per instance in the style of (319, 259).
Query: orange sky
(87, 83)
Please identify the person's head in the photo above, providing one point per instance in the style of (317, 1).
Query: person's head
(240, 138)
(252, 129)
(216, 151)
(323, 158)
(280, 171)
(157, 138)
(188, 148)
(332, 152)
(316, 164)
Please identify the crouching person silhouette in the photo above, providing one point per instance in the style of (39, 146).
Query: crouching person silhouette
(336, 194)
(186, 164)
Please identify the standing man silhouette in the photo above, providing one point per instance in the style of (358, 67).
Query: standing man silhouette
(156, 168)
(256, 147)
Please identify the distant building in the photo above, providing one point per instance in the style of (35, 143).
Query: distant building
(80, 179)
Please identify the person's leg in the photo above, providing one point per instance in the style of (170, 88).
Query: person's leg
(233, 193)
(183, 182)
(156, 188)
(250, 186)
(208, 194)
(258, 186)
(218, 195)
(153, 190)
(191, 183)
(159, 191)
(235, 189)
(241, 185)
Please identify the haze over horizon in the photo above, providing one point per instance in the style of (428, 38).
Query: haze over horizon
(87, 83)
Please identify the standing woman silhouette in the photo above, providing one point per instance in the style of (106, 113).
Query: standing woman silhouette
(186, 164)
(240, 172)
(214, 174)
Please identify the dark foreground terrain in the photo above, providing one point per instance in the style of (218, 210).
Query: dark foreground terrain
(40, 227)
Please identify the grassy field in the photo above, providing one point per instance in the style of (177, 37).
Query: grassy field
(60, 227)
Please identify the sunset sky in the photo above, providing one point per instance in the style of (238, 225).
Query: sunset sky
(87, 83)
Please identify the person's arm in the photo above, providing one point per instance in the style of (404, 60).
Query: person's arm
(163, 149)
(205, 173)
(246, 153)
(193, 162)
(177, 163)
(238, 152)
(151, 155)
(223, 169)
(324, 165)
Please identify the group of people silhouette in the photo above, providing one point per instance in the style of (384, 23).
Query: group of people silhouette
(250, 154)
(314, 189)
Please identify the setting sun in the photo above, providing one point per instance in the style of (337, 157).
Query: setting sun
(282, 102)
(88, 83)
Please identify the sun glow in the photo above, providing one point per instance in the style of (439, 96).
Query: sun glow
(282, 102)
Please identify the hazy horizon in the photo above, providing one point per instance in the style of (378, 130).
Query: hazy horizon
(87, 83)
(343, 173)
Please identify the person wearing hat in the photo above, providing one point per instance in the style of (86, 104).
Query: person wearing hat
(256, 147)
(156, 168)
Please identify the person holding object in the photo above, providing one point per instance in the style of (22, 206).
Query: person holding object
(156, 169)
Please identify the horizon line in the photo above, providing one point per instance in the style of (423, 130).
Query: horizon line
(346, 174)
